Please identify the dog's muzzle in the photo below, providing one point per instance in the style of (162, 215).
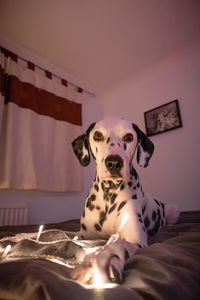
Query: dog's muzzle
(114, 164)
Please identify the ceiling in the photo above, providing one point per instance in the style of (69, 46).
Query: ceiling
(100, 42)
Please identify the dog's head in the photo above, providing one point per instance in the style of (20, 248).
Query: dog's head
(113, 143)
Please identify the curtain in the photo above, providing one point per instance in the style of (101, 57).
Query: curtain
(39, 117)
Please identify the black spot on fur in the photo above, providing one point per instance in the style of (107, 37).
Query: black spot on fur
(102, 186)
(112, 208)
(83, 226)
(135, 187)
(84, 213)
(125, 146)
(112, 185)
(154, 215)
(108, 140)
(102, 214)
(98, 207)
(96, 187)
(97, 227)
(89, 202)
(105, 194)
(138, 185)
(122, 186)
(143, 210)
(163, 207)
(91, 207)
(133, 172)
(113, 197)
(112, 144)
(134, 197)
(157, 202)
(164, 212)
(157, 224)
(130, 183)
(93, 197)
(102, 217)
(150, 232)
(126, 254)
(146, 222)
(121, 205)
(158, 212)
(142, 191)
(140, 218)
(139, 245)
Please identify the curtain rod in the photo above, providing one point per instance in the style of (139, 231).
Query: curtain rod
(55, 75)
(68, 82)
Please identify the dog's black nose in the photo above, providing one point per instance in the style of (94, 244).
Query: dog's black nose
(113, 163)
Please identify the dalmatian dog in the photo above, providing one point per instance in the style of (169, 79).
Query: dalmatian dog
(117, 191)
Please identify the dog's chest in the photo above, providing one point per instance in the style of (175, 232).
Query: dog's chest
(105, 206)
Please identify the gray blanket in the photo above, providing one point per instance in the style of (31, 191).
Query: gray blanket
(169, 268)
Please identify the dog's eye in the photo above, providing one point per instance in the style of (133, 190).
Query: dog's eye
(98, 136)
(128, 138)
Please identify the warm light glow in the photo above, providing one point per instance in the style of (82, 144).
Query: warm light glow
(57, 261)
(124, 220)
(91, 250)
(39, 232)
(97, 279)
(5, 252)
(98, 282)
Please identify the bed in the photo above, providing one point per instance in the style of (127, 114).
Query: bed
(168, 269)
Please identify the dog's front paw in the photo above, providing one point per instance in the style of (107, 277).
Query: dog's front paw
(105, 265)
(102, 268)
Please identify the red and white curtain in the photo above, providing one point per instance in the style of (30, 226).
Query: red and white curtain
(39, 117)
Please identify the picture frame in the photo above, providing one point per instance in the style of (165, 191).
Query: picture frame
(163, 118)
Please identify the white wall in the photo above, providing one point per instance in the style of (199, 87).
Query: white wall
(174, 170)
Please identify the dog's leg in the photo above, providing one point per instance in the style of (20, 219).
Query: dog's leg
(110, 259)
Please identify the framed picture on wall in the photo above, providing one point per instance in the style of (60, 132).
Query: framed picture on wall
(163, 118)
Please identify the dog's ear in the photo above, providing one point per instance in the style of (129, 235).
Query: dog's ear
(145, 147)
(81, 147)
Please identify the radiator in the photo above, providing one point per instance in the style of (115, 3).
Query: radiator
(13, 213)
